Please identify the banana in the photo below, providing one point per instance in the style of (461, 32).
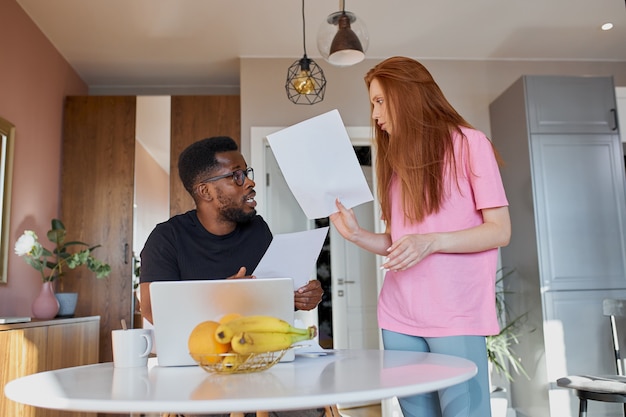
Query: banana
(258, 342)
(230, 363)
(225, 331)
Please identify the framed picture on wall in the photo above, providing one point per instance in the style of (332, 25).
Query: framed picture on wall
(7, 136)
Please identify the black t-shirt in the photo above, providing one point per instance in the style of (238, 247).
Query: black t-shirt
(182, 249)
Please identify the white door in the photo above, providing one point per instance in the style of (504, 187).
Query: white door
(354, 289)
(354, 312)
(283, 214)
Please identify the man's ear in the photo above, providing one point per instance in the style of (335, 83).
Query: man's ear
(203, 191)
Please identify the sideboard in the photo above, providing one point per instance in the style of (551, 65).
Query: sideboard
(43, 345)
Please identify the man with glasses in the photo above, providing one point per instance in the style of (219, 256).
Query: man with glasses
(223, 237)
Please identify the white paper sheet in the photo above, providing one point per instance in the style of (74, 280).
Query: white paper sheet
(319, 165)
(292, 255)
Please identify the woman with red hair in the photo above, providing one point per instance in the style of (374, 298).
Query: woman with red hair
(446, 215)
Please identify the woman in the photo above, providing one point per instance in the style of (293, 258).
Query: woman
(446, 214)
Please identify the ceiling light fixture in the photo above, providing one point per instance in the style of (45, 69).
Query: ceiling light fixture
(342, 39)
(305, 79)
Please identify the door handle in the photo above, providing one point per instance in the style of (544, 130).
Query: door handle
(341, 281)
(615, 124)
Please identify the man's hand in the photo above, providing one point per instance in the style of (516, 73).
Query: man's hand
(241, 274)
(308, 296)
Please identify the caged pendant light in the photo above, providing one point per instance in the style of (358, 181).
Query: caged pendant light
(342, 39)
(305, 79)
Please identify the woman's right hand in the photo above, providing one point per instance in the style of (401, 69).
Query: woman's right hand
(347, 225)
(345, 221)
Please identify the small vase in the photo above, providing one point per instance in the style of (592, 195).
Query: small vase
(46, 305)
(67, 303)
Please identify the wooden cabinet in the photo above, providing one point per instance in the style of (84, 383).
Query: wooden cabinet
(27, 348)
(564, 177)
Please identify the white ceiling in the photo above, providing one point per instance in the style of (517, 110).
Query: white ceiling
(144, 45)
(197, 43)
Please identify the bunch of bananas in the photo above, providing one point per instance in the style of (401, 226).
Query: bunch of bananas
(258, 334)
(231, 342)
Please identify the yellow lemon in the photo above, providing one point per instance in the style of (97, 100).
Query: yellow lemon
(202, 343)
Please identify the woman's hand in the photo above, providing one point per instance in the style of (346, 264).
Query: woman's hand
(308, 296)
(347, 225)
(494, 232)
(345, 221)
(408, 251)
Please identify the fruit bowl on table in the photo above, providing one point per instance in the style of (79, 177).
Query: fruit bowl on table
(236, 363)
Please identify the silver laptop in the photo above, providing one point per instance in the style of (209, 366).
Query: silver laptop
(178, 306)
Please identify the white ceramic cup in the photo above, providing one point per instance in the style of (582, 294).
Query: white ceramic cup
(131, 347)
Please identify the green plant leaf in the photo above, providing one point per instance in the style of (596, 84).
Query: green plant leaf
(61, 256)
(56, 234)
(500, 349)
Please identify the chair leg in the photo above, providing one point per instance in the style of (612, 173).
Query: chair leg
(332, 411)
(582, 408)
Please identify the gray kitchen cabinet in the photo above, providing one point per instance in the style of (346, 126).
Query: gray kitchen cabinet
(578, 183)
(564, 177)
(571, 104)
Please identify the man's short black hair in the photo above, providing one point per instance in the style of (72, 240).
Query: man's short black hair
(198, 161)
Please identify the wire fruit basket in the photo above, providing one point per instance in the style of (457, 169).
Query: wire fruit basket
(235, 363)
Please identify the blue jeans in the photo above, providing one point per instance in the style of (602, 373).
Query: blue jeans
(468, 399)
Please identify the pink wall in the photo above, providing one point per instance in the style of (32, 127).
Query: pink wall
(34, 80)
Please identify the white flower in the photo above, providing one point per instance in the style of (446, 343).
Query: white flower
(26, 243)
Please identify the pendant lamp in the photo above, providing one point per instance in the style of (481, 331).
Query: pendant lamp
(342, 39)
(305, 79)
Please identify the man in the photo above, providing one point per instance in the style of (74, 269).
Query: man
(223, 237)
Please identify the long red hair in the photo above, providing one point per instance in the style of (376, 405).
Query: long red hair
(421, 149)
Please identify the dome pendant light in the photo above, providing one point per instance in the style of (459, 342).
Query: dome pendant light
(306, 83)
(342, 39)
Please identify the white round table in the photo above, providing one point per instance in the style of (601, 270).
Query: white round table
(339, 376)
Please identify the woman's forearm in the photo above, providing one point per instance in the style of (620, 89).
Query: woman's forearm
(377, 243)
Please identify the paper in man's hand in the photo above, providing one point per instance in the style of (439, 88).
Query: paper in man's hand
(319, 165)
(292, 255)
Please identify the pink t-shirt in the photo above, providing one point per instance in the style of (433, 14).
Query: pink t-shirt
(448, 294)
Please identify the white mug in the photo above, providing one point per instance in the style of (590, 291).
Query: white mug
(131, 347)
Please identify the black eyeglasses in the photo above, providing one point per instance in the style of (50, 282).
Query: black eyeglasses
(239, 176)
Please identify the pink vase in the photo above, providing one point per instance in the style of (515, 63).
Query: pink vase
(46, 305)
